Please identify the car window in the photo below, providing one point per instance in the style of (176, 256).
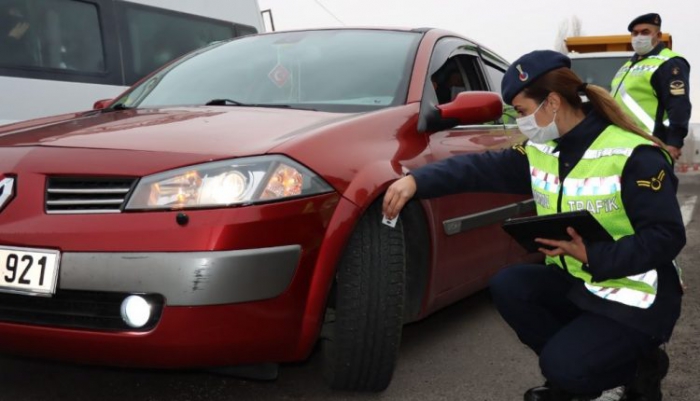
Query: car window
(334, 70)
(454, 68)
(495, 67)
(459, 73)
(448, 81)
(51, 34)
(495, 77)
(495, 74)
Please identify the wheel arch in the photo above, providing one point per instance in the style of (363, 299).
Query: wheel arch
(367, 187)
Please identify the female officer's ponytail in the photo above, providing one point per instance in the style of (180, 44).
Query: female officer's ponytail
(604, 104)
(570, 87)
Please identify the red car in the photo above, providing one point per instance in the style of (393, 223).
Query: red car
(226, 210)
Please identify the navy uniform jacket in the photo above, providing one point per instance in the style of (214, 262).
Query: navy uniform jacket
(671, 85)
(658, 239)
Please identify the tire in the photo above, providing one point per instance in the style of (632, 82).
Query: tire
(364, 320)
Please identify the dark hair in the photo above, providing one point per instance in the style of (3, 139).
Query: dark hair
(568, 85)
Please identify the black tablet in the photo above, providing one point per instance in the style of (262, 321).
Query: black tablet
(553, 226)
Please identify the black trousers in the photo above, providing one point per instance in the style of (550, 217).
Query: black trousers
(579, 351)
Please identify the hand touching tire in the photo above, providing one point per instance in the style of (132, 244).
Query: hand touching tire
(397, 195)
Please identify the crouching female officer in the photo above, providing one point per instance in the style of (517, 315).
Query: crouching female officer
(595, 312)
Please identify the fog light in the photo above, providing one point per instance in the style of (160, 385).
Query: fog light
(135, 311)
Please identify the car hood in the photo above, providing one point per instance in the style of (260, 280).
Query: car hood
(211, 131)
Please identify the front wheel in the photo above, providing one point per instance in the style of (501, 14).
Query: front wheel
(364, 320)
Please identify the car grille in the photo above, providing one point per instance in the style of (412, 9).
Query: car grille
(74, 195)
(75, 309)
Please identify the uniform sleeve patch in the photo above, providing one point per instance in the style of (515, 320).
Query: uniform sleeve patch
(677, 88)
(654, 183)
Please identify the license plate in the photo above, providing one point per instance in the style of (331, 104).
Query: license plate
(28, 271)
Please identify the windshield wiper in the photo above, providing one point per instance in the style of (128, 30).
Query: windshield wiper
(230, 102)
(224, 102)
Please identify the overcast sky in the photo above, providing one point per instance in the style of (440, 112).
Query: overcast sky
(510, 28)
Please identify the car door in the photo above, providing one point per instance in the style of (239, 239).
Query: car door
(495, 68)
(469, 242)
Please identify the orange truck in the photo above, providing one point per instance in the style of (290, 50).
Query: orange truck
(596, 59)
(606, 43)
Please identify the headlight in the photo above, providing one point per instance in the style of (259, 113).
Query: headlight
(238, 181)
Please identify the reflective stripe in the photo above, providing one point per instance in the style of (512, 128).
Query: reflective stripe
(628, 296)
(544, 181)
(592, 186)
(636, 109)
(576, 186)
(588, 155)
(660, 57)
(600, 153)
(546, 149)
(643, 68)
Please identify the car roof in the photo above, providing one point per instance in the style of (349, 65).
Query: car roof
(435, 32)
(440, 31)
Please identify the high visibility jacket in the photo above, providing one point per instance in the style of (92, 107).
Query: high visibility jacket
(594, 184)
(633, 91)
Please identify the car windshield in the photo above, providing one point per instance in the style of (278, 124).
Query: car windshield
(598, 71)
(328, 70)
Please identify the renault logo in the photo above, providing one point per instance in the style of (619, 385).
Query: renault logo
(7, 190)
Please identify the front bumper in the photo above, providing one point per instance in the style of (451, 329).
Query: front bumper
(237, 285)
(185, 278)
(218, 309)
(94, 285)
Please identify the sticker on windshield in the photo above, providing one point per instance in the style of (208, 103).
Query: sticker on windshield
(279, 75)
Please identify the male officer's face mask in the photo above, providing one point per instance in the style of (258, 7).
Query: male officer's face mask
(642, 44)
(528, 126)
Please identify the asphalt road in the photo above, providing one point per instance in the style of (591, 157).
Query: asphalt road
(464, 352)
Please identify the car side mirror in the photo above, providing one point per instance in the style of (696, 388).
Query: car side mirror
(101, 104)
(473, 108)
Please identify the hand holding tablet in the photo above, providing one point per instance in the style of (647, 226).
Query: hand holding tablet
(554, 227)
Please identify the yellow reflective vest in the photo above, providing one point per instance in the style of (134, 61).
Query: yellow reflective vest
(633, 91)
(594, 184)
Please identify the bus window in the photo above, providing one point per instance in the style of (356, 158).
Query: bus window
(51, 34)
(60, 56)
(156, 36)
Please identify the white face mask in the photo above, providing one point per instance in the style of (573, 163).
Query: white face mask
(642, 44)
(528, 126)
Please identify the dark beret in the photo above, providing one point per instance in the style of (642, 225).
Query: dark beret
(525, 70)
(651, 18)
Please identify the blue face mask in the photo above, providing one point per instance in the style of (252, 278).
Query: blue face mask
(528, 126)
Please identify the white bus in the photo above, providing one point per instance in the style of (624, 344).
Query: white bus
(60, 56)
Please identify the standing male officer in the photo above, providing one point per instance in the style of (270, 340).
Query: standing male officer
(653, 86)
